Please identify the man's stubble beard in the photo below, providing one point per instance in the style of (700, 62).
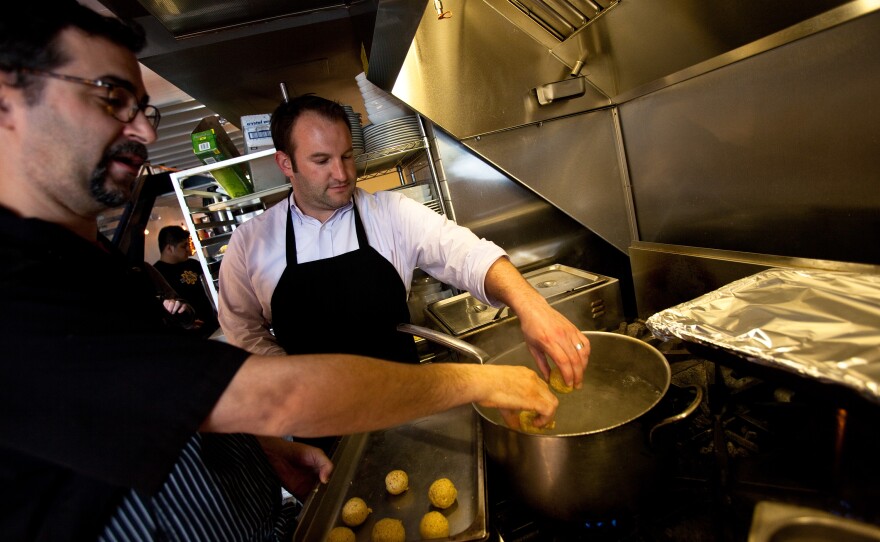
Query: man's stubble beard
(105, 192)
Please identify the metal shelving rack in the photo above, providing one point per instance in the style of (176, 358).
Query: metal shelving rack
(212, 220)
(405, 156)
(384, 161)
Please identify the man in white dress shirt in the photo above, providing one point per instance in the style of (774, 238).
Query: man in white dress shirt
(328, 270)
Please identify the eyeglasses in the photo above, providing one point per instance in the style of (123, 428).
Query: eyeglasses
(122, 104)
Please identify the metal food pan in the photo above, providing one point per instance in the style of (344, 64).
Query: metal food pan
(463, 313)
(559, 279)
(445, 445)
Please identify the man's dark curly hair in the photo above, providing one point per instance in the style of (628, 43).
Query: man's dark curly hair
(30, 31)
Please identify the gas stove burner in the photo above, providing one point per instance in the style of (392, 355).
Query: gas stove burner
(511, 528)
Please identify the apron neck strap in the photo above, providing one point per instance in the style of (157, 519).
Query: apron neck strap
(291, 236)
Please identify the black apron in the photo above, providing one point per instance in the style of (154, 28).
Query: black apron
(351, 303)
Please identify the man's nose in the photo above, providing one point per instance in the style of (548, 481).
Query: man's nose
(141, 129)
(339, 171)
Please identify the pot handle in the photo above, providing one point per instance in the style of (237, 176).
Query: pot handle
(698, 398)
(445, 340)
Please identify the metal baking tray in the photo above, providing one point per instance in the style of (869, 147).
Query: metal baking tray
(445, 445)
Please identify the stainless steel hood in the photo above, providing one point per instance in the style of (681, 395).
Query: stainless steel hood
(633, 46)
(476, 72)
(477, 75)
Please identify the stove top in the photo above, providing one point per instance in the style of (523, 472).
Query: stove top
(750, 440)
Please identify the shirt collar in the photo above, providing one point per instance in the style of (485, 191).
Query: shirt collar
(302, 218)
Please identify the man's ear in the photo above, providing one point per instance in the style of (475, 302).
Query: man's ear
(6, 89)
(284, 163)
(12, 98)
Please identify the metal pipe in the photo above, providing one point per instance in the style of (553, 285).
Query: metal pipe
(446, 340)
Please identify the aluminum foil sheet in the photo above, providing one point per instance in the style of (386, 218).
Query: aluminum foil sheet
(822, 325)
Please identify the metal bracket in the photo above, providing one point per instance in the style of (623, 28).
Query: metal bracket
(561, 90)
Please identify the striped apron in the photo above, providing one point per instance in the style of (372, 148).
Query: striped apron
(221, 488)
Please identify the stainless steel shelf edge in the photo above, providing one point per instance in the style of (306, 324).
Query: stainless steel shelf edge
(250, 199)
(228, 206)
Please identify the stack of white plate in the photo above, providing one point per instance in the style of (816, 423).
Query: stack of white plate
(392, 133)
(381, 106)
(358, 142)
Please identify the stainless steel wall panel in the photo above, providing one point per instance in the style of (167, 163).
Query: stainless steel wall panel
(637, 42)
(776, 154)
(495, 207)
(571, 162)
(534, 232)
(474, 73)
(666, 275)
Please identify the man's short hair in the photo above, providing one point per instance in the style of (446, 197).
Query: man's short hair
(286, 114)
(172, 235)
(30, 31)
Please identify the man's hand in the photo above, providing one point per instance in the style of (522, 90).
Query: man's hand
(174, 306)
(183, 314)
(546, 332)
(517, 388)
(298, 465)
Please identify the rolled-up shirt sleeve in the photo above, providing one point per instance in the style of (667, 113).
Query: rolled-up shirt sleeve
(438, 246)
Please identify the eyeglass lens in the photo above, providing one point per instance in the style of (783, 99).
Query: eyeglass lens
(125, 107)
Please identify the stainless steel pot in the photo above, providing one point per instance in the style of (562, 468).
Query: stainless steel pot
(597, 461)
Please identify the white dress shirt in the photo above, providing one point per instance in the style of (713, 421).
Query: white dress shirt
(405, 232)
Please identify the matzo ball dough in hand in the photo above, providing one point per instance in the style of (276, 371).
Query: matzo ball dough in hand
(527, 423)
(558, 383)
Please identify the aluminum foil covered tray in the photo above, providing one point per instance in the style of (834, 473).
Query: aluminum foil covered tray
(823, 325)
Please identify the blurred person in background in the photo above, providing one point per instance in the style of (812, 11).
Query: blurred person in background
(184, 274)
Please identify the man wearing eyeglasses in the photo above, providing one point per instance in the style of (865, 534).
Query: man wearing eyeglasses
(111, 427)
(112, 181)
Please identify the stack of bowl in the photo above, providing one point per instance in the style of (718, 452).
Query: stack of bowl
(381, 106)
(358, 142)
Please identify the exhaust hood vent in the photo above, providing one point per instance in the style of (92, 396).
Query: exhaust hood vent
(561, 18)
